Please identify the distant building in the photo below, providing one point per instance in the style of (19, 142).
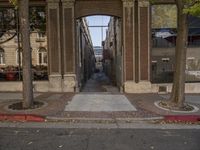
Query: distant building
(98, 52)
(112, 53)
(86, 55)
(9, 51)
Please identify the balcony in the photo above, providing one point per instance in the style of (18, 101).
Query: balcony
(40, 39)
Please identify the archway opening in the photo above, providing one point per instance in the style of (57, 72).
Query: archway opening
(99, 57)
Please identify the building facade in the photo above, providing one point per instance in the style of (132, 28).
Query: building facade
(98, 52)
(133, 51)
(112, 50)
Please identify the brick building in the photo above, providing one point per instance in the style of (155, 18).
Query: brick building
(162, 53)
(38, 46)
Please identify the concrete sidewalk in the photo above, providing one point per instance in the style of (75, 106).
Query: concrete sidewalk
(56, 104)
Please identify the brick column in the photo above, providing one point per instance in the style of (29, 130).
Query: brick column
(144, 40)
(68, 26)
(54, 50)
(128, 40)
(140, 56)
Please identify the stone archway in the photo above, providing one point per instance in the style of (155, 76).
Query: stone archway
(98, 7)
(61, 26)
(114, 9)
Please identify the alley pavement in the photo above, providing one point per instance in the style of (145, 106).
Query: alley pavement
(99, 101)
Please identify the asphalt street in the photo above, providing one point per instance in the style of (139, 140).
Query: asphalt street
(98, 139)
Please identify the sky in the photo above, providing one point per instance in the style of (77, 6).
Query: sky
(98, 34)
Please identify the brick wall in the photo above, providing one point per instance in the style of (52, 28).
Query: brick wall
(144, 43)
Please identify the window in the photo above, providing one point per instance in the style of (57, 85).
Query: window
(1, 16)
(165, 60)
(192, 64)
(42, 56)
(2, 56)
(41, 35)
(194, 31)
(19, 56)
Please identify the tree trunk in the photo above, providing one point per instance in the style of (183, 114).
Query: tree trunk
(26, 50)
(178, 90)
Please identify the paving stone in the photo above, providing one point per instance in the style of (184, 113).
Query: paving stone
(99, 102)
(54, 97)
(11, 96)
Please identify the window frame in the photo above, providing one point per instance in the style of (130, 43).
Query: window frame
(42, 51)
(2, 56)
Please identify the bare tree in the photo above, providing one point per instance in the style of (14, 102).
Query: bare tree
(184, 8)
(26, 51)
(178, 90)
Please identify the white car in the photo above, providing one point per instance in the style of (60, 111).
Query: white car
(164, 33)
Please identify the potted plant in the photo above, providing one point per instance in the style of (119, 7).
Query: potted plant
(10, 73)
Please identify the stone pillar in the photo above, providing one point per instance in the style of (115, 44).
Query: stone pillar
(140, 42)
(68, 21)
(128, 40)
(144, 40)
(54, 50)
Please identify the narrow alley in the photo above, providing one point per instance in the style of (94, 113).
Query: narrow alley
(99, 82)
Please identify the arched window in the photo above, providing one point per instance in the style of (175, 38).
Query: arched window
(42, 56)
(19, 58)
(2, 56)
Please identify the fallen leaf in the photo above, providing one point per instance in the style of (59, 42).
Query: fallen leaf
(152, 147)
(30, 143)
(16, 132)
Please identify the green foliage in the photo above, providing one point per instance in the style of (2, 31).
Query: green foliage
(8, 23)
(194, 8)
(164, 16)
(37, 19)
(14, 2)
(152, 1)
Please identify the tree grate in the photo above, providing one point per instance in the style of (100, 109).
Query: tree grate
(19, 106)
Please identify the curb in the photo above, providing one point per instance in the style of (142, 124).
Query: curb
(182, 118)
(22, 117)
(108, 120)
